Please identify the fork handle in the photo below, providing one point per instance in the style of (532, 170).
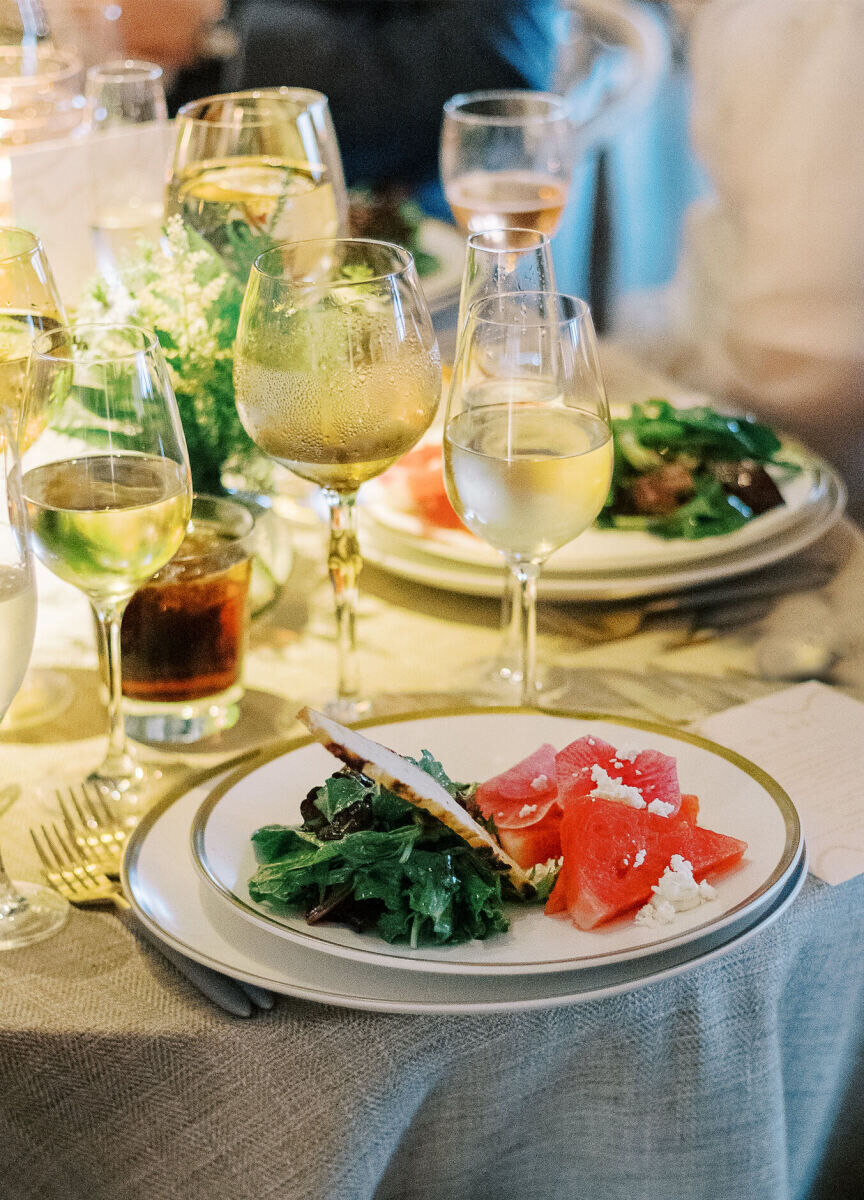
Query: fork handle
(221, 990)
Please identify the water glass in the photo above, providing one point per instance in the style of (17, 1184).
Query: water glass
(126, 111)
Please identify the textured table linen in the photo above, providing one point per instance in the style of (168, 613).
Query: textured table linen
(735, 1079)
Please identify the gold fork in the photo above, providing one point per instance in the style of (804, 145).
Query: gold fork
(93, 825)
(80, 879)
(83, 882)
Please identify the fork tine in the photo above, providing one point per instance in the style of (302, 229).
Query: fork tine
(40, 850)
(68, 862)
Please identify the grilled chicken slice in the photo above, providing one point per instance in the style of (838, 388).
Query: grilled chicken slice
(405, 779)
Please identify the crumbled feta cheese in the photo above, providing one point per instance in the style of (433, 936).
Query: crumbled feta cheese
(676, 891)
(626, 860)
(527, 809)
(539, 783)
(637, 772)
(607, 788)
(660, 808)
(591, 742)
(640, 858)
(619, 766)
(629, 753)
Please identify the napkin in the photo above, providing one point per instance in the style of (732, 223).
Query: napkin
(811, 739)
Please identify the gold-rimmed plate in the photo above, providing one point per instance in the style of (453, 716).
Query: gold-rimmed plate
(736, 798)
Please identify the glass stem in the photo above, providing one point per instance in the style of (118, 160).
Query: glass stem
(118, 762)
(344, 565)
(10, 901)
(526, 576)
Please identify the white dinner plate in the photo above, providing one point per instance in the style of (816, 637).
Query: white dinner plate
(736, 798)
(386, 504)
(405, 558)
(161, 881)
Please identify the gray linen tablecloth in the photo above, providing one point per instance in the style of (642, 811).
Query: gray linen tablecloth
(735, 1079)
(117, 1081)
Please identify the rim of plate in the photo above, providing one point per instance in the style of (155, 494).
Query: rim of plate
(367, 1003)
(791, 851)
(451, 575)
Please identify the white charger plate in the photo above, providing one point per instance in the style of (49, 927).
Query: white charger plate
(441, 288)
(736, 798)
(161, 881)
(398, 557)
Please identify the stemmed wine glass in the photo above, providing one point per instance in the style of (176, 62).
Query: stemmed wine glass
(507, 159)
(255, 168)
(29, 304)
(28, 912)
(107, 485)
(337, 375)
(498, 262)
(527, 438)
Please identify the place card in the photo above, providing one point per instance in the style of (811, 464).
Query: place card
(811, 739)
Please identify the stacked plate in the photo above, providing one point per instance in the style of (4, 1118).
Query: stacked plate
(188, 863)
(601, 564)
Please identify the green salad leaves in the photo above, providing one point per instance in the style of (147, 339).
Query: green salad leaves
(690, 472)
(366, 857)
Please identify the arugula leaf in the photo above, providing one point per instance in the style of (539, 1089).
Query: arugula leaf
(340, 792)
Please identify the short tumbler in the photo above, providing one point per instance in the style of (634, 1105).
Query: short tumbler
(184, 634)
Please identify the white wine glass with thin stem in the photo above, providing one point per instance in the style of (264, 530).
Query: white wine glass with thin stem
(498, 262)
(106, 486)
(527, 437)
(336, 376)
(29, 304)
(28, 912)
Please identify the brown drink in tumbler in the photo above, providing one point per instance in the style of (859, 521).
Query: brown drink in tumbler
(184, 633)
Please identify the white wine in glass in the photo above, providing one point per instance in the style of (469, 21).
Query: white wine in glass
(28, 912)
(506, 159)
(29, 304)
(527, 440)
(337, 375)
(255, 168)
(106, 486)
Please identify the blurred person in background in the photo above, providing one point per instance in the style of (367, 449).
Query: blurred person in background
(387, 66)
(770, 287)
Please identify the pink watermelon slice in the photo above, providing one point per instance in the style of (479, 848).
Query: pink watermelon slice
(655, 775)
(601, 842)
(522, 795)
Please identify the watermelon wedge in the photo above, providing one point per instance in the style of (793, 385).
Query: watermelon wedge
(602, 841)
(424, 474)
(535, 843)
(652, 774)
(523, 794)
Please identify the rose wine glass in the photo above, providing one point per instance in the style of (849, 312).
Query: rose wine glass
(527, 437)
(337, 375)
(506, 159)
(106, 485)
(28, 912)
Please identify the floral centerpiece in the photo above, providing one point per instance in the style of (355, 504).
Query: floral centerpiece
(182, 289)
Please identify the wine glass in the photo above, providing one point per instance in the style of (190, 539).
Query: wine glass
(336, 376)
(28, 912)
(499, 261)
(527, 438)
(29, 304)
(255, 168)
(107, 485)
(126, 179)
(506, 159)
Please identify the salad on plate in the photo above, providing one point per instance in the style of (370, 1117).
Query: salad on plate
(679, 473)
(392, 846)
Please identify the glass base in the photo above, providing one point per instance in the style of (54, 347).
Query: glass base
(43, 696)
(346, 710)
(38, 915)
(183, 721)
